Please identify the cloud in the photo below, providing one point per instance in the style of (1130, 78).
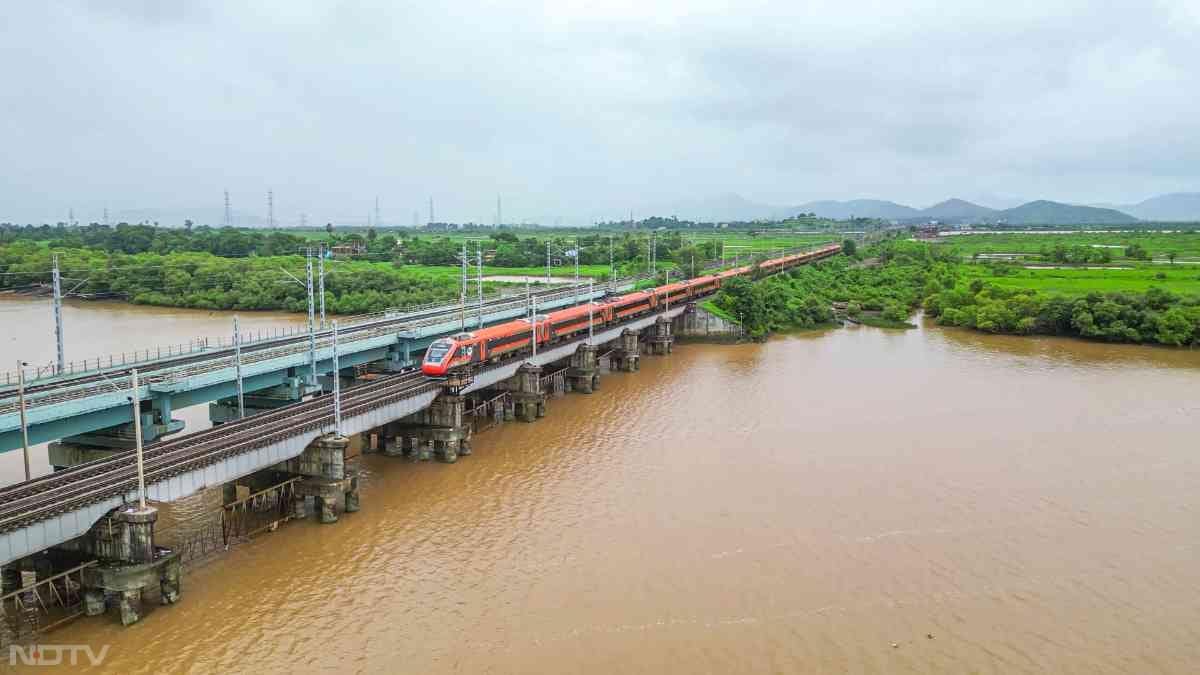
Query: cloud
(577, 111)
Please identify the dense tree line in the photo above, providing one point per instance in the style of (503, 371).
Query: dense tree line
(917, 275)
(202, 280)
(227, 242)
(510, 250)
(1153, 316)
(802, 297)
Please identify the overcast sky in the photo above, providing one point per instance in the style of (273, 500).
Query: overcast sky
(582, 110)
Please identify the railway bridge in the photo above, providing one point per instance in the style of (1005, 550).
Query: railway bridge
(84, 539)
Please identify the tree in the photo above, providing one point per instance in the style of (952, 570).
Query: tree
(1136, 252)
(1174, 327)
(371, 234)
(894, 311)
(329, 229)
(849, 247)
(1171, 256)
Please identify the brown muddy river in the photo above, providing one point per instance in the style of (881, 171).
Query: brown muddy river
(856, 500)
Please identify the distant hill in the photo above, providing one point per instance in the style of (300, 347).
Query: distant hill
(1043, 212)
(858, 208)
(958, 210)
(1178, 206)
(719, 208)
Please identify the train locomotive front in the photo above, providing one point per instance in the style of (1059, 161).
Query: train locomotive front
(438, 357)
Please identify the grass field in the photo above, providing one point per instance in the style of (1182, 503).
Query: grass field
(1158, 244)
(1080, 281)
(1123, 274)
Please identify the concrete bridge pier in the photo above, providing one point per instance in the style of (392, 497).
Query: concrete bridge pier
(130, 563)
(627, 351)
(444, 427)
(583, 375)
(525, 392)
(440, 430)
(332, 485)
(661, 337)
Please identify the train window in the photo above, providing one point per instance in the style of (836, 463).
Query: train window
(437, 351)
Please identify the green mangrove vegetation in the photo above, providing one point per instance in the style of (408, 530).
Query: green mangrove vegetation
(883, 284)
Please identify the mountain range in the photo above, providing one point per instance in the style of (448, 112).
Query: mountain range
(1175, 207)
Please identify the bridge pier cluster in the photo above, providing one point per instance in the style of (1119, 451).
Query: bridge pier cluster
(661, 337)
(325, 474)
(330, 479)
(584, 374)
(437, 431)
(130, 562)
(627, 351)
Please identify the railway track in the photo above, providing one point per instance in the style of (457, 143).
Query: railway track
(175, 368)
(91, 482)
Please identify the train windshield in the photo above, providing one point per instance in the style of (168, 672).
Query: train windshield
(437, 351)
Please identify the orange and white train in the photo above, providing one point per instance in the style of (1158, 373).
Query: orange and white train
(516, 337)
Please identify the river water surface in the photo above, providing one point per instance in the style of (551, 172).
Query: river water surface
(855, 500)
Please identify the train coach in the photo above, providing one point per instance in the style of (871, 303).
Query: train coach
(496, 342)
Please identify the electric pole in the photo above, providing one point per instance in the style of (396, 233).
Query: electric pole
(58, 323)
(462, 293)
(21, 406)
(337, 385)
(137, 434)
(479, 277)
(612, 271)
(312, 336)
(321, 280)
(237, 357)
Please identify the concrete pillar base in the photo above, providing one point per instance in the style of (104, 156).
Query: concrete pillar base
(131, 606)
(170, 583)
(448, 452)
(394, 447)
(93, 602)
(299, 508)
(352, 500)
(325, 507)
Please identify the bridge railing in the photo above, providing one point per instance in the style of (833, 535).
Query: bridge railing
(204, 344)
